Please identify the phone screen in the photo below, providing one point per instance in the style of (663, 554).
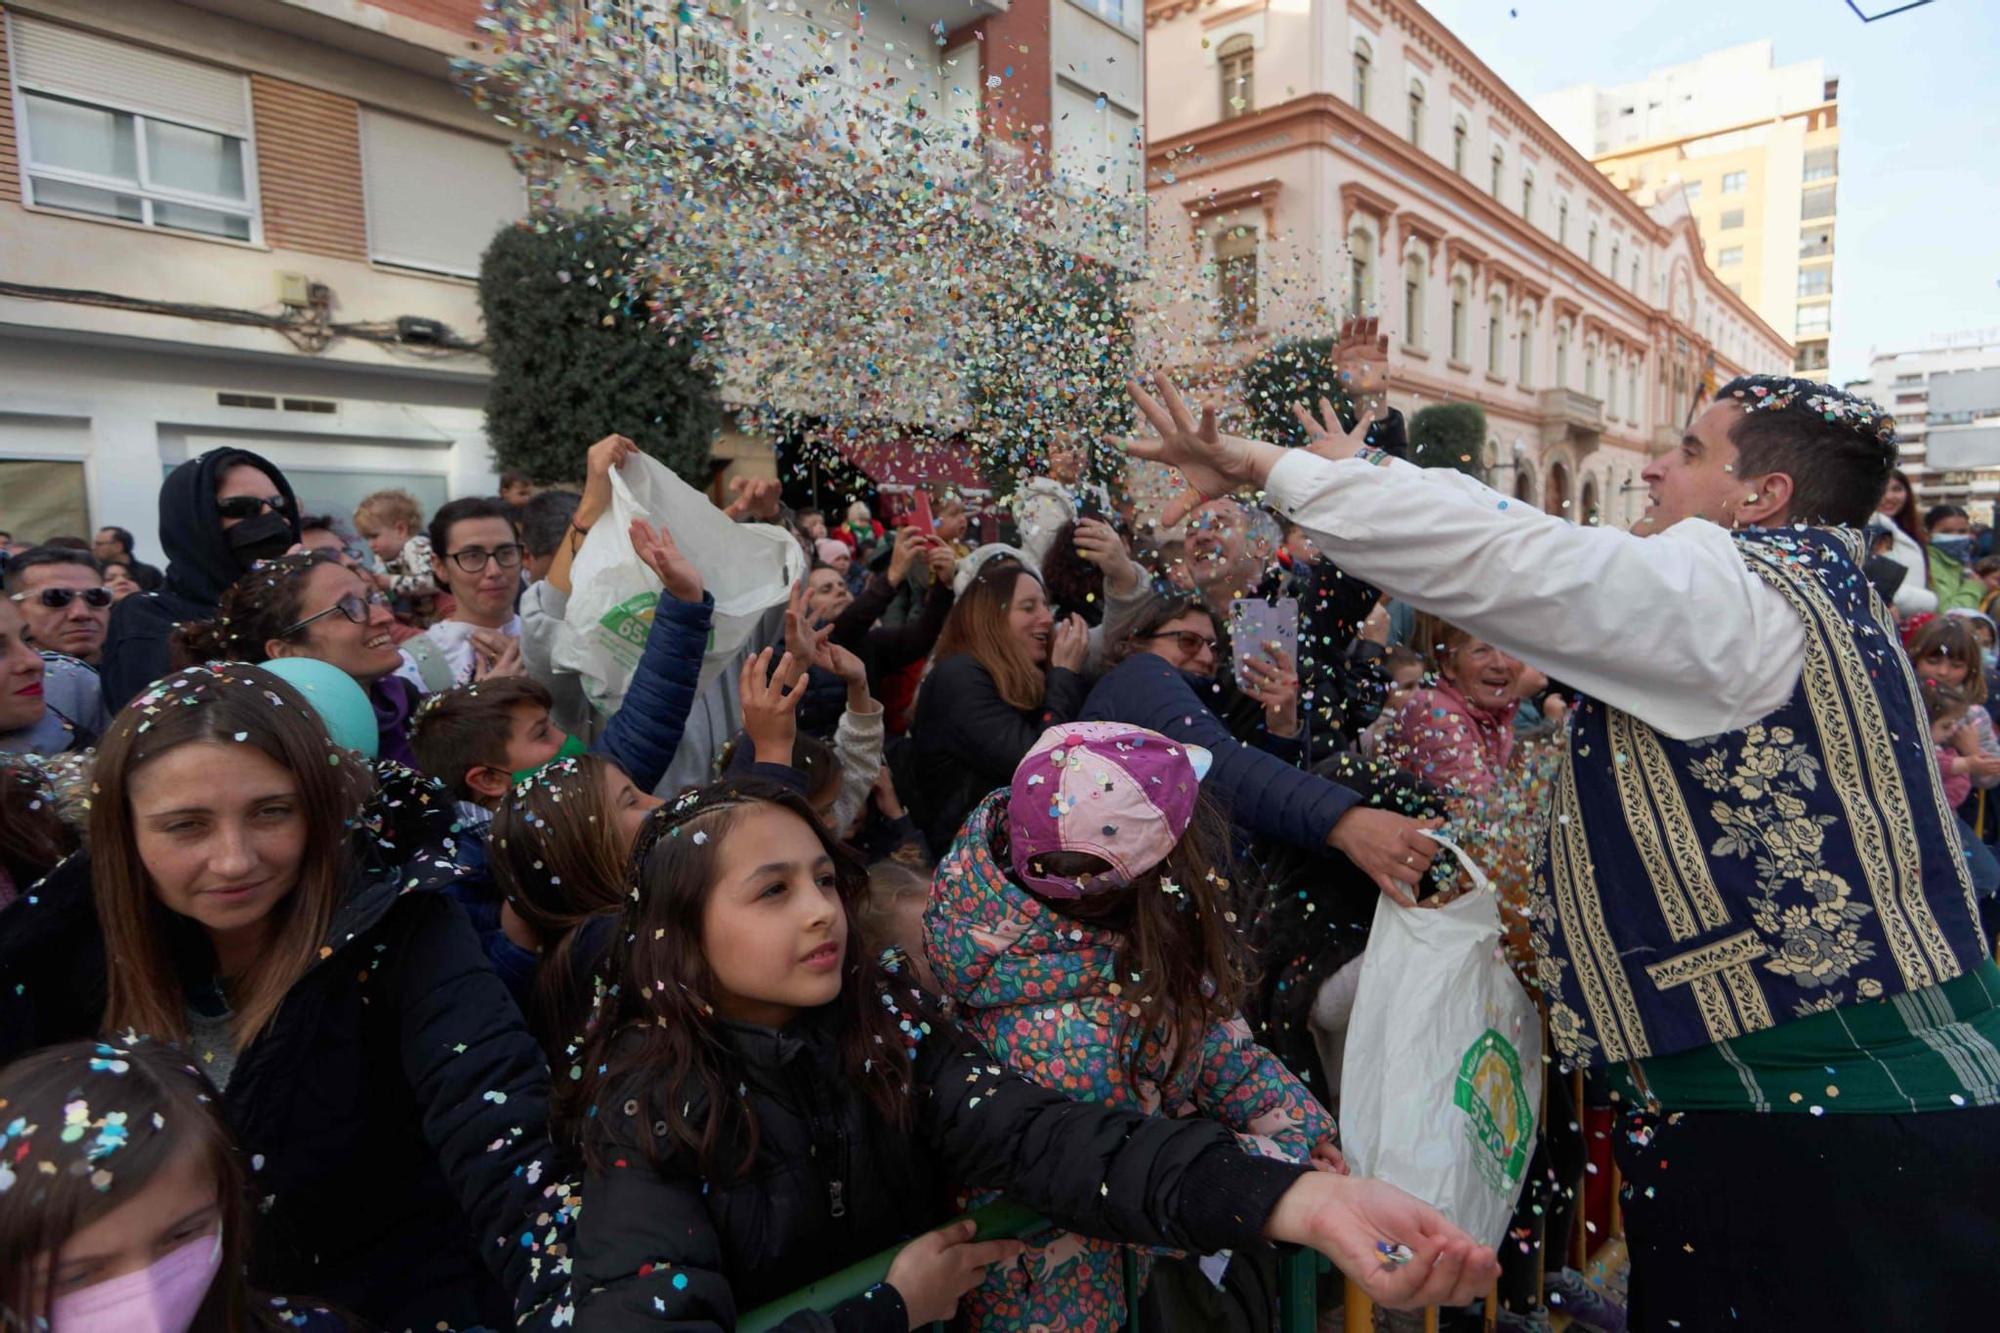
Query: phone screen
(1256, 625)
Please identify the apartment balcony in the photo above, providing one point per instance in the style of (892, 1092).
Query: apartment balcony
(1569, 416)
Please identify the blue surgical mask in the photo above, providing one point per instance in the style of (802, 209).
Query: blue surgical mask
(1957, 545)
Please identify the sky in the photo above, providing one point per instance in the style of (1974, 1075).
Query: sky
(1917, 249)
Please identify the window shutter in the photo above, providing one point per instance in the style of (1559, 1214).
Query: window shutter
(69, 62)
(435, 197)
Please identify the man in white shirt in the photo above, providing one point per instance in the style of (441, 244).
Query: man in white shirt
(1753, 914)
(476, 554)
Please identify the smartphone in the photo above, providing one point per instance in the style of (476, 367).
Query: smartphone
(920, 515)
(1255, 625)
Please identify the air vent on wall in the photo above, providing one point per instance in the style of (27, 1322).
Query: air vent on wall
(268, 403)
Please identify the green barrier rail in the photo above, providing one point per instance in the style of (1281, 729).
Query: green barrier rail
(1298, 1278)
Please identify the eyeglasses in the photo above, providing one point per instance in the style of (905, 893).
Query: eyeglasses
(473, 558)
(1190, 642)
(249, 506)
(58, 599)
(354, 606)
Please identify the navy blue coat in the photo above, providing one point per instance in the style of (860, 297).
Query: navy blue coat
(643, 734)
(1263, 793)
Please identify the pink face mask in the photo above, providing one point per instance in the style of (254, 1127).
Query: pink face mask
(161, 1298)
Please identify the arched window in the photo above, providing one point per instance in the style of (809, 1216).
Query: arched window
(1459, 134)
(1527, 196)
(1590, 370)
(1562, 356)
(1590, 247)
(1235, 60)
(1611, 389)
(1524, 484)
(1499, 164)
(1360, 272)
(1589, 501)
(1494, 334)
(1527, 346)
(1562, 222)
(1362, 56)
(1416, 113)
(1413, 299)
(1632, 391)
(1635, 274)
(1614, 259)
(1458, 318)
(1557, 500)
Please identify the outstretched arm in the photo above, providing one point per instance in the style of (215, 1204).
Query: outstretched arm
(1674, 629)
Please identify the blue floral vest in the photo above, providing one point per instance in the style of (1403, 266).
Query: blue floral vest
(1694, 891)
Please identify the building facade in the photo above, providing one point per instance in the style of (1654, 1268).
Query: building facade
(1343, 156)
(247, 225)
(1755, 149)
(1946, 401)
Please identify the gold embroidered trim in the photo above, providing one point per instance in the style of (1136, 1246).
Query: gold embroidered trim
(1749, 996)
(1834, 669)
(1706, 961)
(1600, 976)
(1644, 825)
(1711, 1000)
(1686, 859)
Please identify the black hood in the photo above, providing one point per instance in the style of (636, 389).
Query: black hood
(200, 563)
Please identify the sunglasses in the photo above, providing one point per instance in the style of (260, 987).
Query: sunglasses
(354, 606)
(57, 599)
(473, 558)
(1190, 642)
(249, 506)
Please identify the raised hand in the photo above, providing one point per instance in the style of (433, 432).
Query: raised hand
(1361, 356)
(1329, 439)
(771, 706)
(1071, 646)
(909, 544)
(754, 498)
(656, 547)
(1274, 683)
(495, 655)
(1210, 462)
(603, 458)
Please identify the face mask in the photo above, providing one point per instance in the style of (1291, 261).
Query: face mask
(265, 537)
(163, 1298)
(1990, 659)
(572, 748)
(1957, 545)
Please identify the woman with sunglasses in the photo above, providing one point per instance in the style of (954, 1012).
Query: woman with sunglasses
(1165, 678)
(310, 604)
(219, 514)
(49, 704)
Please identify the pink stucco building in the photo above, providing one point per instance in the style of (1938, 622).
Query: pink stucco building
(1311, 158)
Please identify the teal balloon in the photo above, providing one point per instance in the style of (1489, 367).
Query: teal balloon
(338, 699)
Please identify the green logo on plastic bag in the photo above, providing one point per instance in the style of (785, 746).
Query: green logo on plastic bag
(1498, 1120)
(626, 626)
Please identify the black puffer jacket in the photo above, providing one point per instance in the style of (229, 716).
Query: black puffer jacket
(394, 1114)
(658, 1246)
(200, 567)
(966, 740)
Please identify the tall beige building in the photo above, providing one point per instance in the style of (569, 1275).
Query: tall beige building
(1755, 147)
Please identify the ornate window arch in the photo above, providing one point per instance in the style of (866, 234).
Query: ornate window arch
(1236, 63)
(1364, 56)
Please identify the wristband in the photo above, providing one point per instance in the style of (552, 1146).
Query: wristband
(1374, 457)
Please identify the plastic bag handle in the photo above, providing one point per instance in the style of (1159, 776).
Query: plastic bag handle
(1479, 880)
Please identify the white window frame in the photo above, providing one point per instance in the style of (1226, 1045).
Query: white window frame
(404, 264)
(250, 207)
(1096, 9)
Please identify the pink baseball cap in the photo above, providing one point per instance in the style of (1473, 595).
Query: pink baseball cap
(1109, 789)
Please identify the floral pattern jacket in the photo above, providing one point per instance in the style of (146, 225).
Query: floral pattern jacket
(1042, 992)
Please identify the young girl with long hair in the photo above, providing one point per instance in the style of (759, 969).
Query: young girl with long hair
(257, 894)
(1004, 670)
(558, 848)
(761, 1104)
(123, 1202)
(1082, 922)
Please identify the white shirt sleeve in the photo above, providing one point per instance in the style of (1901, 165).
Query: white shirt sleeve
(1674, 629)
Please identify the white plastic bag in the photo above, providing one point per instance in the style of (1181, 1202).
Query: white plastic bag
(747, 567)
(1441, 1082)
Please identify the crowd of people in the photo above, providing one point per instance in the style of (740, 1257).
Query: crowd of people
(357, 970)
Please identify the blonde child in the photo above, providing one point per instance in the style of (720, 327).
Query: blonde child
(392, 523)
